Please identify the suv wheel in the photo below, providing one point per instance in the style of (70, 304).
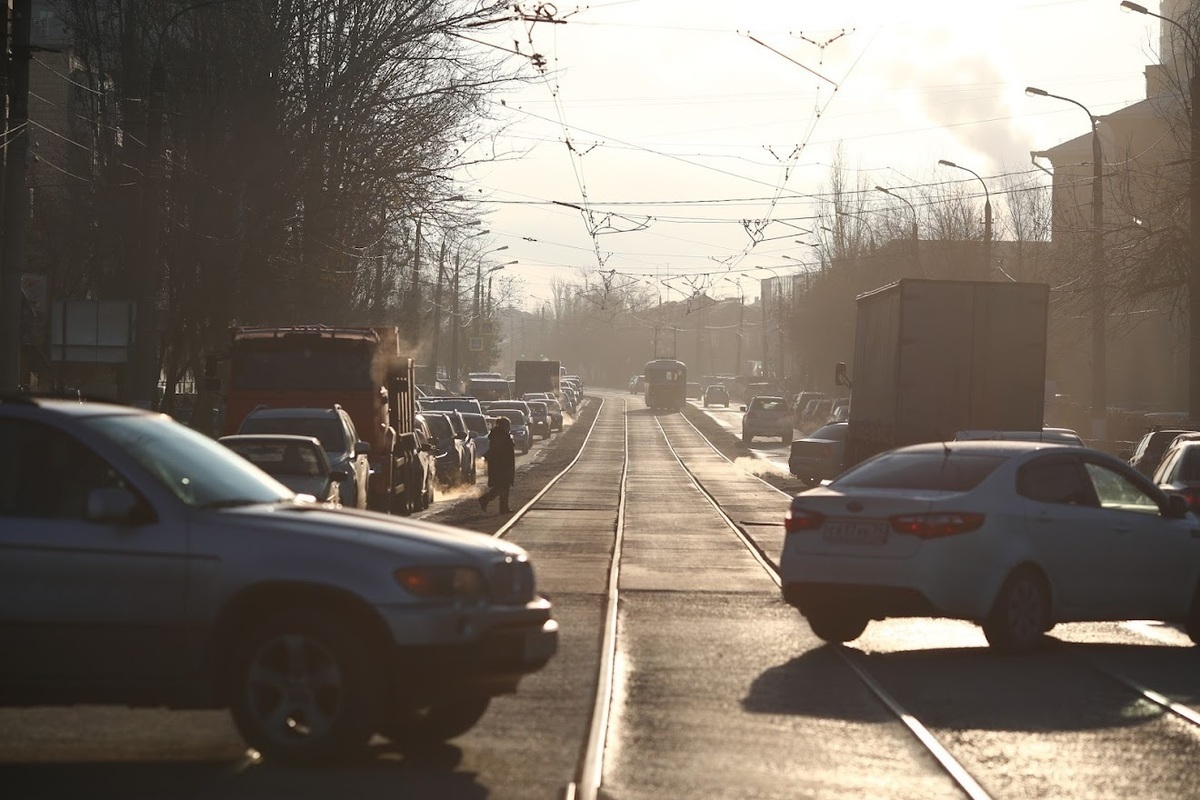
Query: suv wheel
(304, 686)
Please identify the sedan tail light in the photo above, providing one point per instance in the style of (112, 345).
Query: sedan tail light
(798, 519)
(1192, 495)
(937, 525)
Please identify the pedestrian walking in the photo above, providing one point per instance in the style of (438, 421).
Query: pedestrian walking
(501, 460)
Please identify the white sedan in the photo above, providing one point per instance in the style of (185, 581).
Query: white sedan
(1015, 536)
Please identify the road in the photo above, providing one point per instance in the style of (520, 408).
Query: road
(681, 673)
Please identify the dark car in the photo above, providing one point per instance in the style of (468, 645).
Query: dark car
(818, 456)
(334, 429)
(1149, 451)
(450, 452)
(716, 395)
(539, 418)
(298, 462)
(1179, 471)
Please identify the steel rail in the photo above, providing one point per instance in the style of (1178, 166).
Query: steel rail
(589, 771)
(590, 774)
(956, 771)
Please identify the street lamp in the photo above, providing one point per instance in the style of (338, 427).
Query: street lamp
(496, 268)
(1193, 215)
(916, 243)
(479, 279)
(1099, 356)
(987, 217)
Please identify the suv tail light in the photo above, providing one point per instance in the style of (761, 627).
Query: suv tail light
(798, 519)
(937, 525)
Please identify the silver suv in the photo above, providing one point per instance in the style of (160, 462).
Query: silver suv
(147, 565)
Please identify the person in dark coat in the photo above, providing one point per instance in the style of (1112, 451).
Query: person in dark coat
(501, 464)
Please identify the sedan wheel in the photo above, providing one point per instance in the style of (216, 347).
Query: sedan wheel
(435, 723)
(304, 687)
(1021, 614)
(837, 626)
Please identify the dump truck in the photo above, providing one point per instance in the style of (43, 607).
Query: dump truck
(933, 357)
(317, 366)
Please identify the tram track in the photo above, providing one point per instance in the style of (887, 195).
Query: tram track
(753, 534)
(853, 657)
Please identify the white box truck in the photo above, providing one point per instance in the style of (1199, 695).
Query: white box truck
(933, 357)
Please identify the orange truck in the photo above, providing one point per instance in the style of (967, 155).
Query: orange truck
(316, 366)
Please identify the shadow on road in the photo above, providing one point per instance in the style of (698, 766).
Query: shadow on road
(1050, 690)
(382, 772)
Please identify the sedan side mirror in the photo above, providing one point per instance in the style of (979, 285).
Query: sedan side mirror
(743, 408)
(337, 475)
(362, 448)
(1177, 506)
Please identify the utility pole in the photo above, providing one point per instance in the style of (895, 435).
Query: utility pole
(737, 363)
(437, 309)
(16, 199)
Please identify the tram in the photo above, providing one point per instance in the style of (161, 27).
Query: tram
(666, 383)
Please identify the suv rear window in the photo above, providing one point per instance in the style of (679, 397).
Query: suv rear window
(935, 471)
(327, 429)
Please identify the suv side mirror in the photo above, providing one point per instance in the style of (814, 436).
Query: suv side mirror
(337, 475)
(839, 375)
(362, 448)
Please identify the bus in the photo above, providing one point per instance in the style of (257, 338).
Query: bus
(665, 383)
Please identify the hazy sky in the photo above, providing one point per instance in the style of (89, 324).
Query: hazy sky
(670, 124)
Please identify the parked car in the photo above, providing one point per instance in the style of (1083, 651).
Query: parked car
(554, 412)
(298, 462)
(173, 572)
(1149, 451)
(716, 395)
(424, 466)
(1179, 471)
(467, 468)
(518, 427)
(480, 427)
(767, 415)
(819, 456)
(334, 429)
(817, 412)
(801, 402)
(1015, 536)
(450, 454)
(539, 418)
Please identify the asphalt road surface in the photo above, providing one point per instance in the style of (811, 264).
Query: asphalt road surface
(682, 674)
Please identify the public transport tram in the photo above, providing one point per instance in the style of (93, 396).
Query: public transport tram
(666, 384)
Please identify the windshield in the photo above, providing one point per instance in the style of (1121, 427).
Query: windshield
(517, 418)
(439, 426)
(833, 432)
(939, 471)
(326, 430)
(197, 469)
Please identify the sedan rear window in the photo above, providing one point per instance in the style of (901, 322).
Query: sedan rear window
(946, 472)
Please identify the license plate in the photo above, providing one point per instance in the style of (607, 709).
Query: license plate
(852, 532)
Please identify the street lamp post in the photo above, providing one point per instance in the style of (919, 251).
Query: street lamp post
(987, 217)
(737, 361)
(1193, 214)
(1099, 355)
(454, 326)
(911, 208)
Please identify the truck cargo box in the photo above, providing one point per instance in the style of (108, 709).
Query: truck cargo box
(933, 357)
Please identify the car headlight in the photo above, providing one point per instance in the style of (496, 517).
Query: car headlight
(445, 583)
